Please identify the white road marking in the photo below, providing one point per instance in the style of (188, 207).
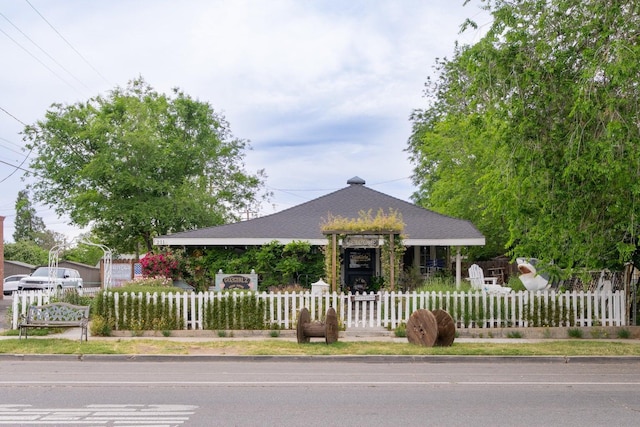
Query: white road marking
(302, 382)
(107, 415)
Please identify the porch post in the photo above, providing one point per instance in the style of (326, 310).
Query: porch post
(458, 268)
(334, 261)
(392, 260)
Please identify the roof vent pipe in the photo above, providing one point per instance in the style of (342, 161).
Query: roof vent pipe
(356, 180)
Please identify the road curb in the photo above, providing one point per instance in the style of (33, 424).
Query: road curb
(429, 359)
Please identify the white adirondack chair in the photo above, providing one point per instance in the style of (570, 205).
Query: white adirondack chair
(488, 284)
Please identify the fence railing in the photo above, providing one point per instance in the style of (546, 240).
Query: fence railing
(383, 309)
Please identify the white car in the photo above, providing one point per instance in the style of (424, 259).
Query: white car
(10, 283)
(39, 280)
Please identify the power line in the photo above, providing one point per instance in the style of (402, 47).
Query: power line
(38, 59)
(45, 52)
(10, 142)
(13, 117)
(69, 44)
(15, 170)
(10, 149)
(334, 189)
(17, 167)
(6, 147)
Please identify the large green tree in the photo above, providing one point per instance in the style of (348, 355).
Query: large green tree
(30, 227)
(534, 132)
(27, 223)
(26, 251)
(137, 164)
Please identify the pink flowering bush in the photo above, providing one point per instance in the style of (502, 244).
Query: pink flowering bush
(164, 264)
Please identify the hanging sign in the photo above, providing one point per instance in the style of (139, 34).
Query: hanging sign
(357, 241)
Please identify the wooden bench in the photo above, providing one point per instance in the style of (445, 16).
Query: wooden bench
(56, 315)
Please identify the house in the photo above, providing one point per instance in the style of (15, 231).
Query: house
(428, 235)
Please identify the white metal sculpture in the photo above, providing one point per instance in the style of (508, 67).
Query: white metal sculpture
(54, 257)
(107, 261)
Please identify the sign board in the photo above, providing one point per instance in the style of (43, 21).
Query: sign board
(365, 297)
(357, 241)
(247, 282)
(121, 272)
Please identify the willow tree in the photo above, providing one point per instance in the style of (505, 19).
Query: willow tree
(137, 164)
(534, 132)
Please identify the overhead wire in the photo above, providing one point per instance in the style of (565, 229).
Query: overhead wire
(45, 52)
(334, 189)
(12, 116)
(10, 142)
(19, 167)
(38, 59)
(69, 44)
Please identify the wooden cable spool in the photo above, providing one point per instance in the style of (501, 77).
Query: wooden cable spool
(307, 329)
(431, 328)
(446, 328)
(422, 328)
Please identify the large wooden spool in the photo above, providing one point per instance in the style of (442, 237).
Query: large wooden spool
(307, 329)
(422, 328)
(431, 328)
(446, 328)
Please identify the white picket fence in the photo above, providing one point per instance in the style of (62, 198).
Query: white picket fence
(391, 309)
(22, 300)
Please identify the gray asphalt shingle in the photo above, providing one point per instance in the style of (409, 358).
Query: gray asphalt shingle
(303, 222)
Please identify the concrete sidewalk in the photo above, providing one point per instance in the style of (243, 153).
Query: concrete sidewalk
(353, 335)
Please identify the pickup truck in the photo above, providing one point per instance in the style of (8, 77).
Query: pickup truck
(61, 278)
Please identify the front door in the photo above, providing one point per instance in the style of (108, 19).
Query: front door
(359, 268)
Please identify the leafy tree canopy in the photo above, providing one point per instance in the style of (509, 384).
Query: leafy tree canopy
(533, 133)
(137, 164)
(26, 251)
(30, 227)
(84, 253)
(27, 223)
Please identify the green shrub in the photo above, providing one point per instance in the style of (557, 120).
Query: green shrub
(575, 333)
(236, 311)
(100, 326)
(550, 313)
(135, 313)
(72, 296)
(624, 333)
(514, 334)
(599, 333)
(401, 331)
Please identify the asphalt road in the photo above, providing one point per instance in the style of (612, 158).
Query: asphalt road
(317, 392)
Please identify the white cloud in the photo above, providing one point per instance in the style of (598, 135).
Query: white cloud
(323, 89)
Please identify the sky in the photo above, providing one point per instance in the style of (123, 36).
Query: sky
(322, 89)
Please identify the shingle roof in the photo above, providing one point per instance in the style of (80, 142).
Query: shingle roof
(303, 222)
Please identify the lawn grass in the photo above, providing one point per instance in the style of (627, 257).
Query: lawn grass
(277, 347)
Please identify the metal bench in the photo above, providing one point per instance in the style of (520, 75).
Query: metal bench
(56, 315)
